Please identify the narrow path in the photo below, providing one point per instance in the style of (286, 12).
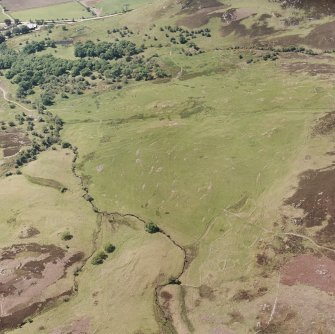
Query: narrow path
(310, 240)
(5, 96)
(82, 20)
(5, 13)
(98, 17)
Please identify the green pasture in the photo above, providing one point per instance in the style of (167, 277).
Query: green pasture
(180, 153)
(68, 11)
(116, 6)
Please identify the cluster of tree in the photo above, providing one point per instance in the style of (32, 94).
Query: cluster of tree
(106, 50)
(49, 136)
(101, 256)
(291, 48)
(28, 155)
(34, 46)
(138, 68)
(20, 30)
(29, 72)
(188, 33)
(8, 22)
(60, 76)
(15, 31)
(184, 36)
(271, 56)
(123, 32)
(296, 49)
(192, 50)
(4, 126)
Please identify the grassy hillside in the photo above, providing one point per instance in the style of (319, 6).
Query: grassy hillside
(229, 155)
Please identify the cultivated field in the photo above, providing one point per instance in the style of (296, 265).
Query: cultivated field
(69, 10)
(231, 156)
(18, 5)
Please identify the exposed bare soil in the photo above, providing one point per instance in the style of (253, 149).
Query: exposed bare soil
(11, 141)
(26, 273)
(16, 5)
(310, 270)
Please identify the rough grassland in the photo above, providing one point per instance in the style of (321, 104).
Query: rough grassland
(196, 160)
(227, 141)
(208, 155)
(46, 208)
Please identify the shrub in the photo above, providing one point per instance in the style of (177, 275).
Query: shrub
(152, 228)
(66, 145)
(174, 280)
(66, 236)
(88, 198)
(77, 272)
(99, 258)
(109, 248)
